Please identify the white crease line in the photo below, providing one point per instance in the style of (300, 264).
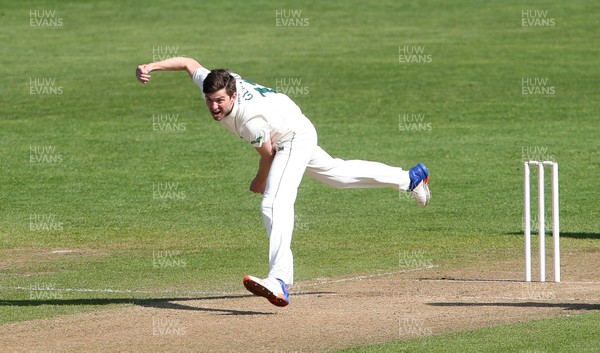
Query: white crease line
(503, 298)
(360, 278)
(132, 291)
(126, 291)
(502, 280)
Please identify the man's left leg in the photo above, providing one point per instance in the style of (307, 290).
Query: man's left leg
(343, 174)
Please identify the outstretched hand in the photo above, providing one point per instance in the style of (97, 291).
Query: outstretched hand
(142, 73)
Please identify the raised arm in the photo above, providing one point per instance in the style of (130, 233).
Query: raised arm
(143, 71)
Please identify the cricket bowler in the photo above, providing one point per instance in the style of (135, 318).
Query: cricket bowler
(286, 141)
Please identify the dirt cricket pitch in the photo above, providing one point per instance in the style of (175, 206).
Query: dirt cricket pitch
(324, 314)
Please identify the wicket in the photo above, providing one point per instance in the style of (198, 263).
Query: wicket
(541, 220)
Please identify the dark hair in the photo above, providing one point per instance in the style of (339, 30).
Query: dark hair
(217, 80)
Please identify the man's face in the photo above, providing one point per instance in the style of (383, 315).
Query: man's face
(219, 103)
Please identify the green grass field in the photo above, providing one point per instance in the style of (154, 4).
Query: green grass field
(83, 161)
(568, 334)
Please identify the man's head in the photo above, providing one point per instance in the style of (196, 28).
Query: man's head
(219, 93)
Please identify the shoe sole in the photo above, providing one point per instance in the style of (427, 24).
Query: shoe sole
(260, 290)
(425, 184)
(427, 193)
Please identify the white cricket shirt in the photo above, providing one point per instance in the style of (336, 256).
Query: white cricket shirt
(260, 113)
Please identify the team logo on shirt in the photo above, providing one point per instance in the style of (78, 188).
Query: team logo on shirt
(260, 89)
(257, 141)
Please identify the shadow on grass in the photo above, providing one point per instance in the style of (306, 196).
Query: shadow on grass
(574, 235)
(159, 303)
(564, 306)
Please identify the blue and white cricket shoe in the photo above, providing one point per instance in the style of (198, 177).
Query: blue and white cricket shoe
(419, 180)
(273, 289)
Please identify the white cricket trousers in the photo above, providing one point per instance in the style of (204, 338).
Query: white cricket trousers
(292, 159)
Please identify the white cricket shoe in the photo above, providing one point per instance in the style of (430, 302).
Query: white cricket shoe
(271, 288)
(419, 184)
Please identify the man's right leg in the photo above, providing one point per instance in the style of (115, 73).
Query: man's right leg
(277, 208)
